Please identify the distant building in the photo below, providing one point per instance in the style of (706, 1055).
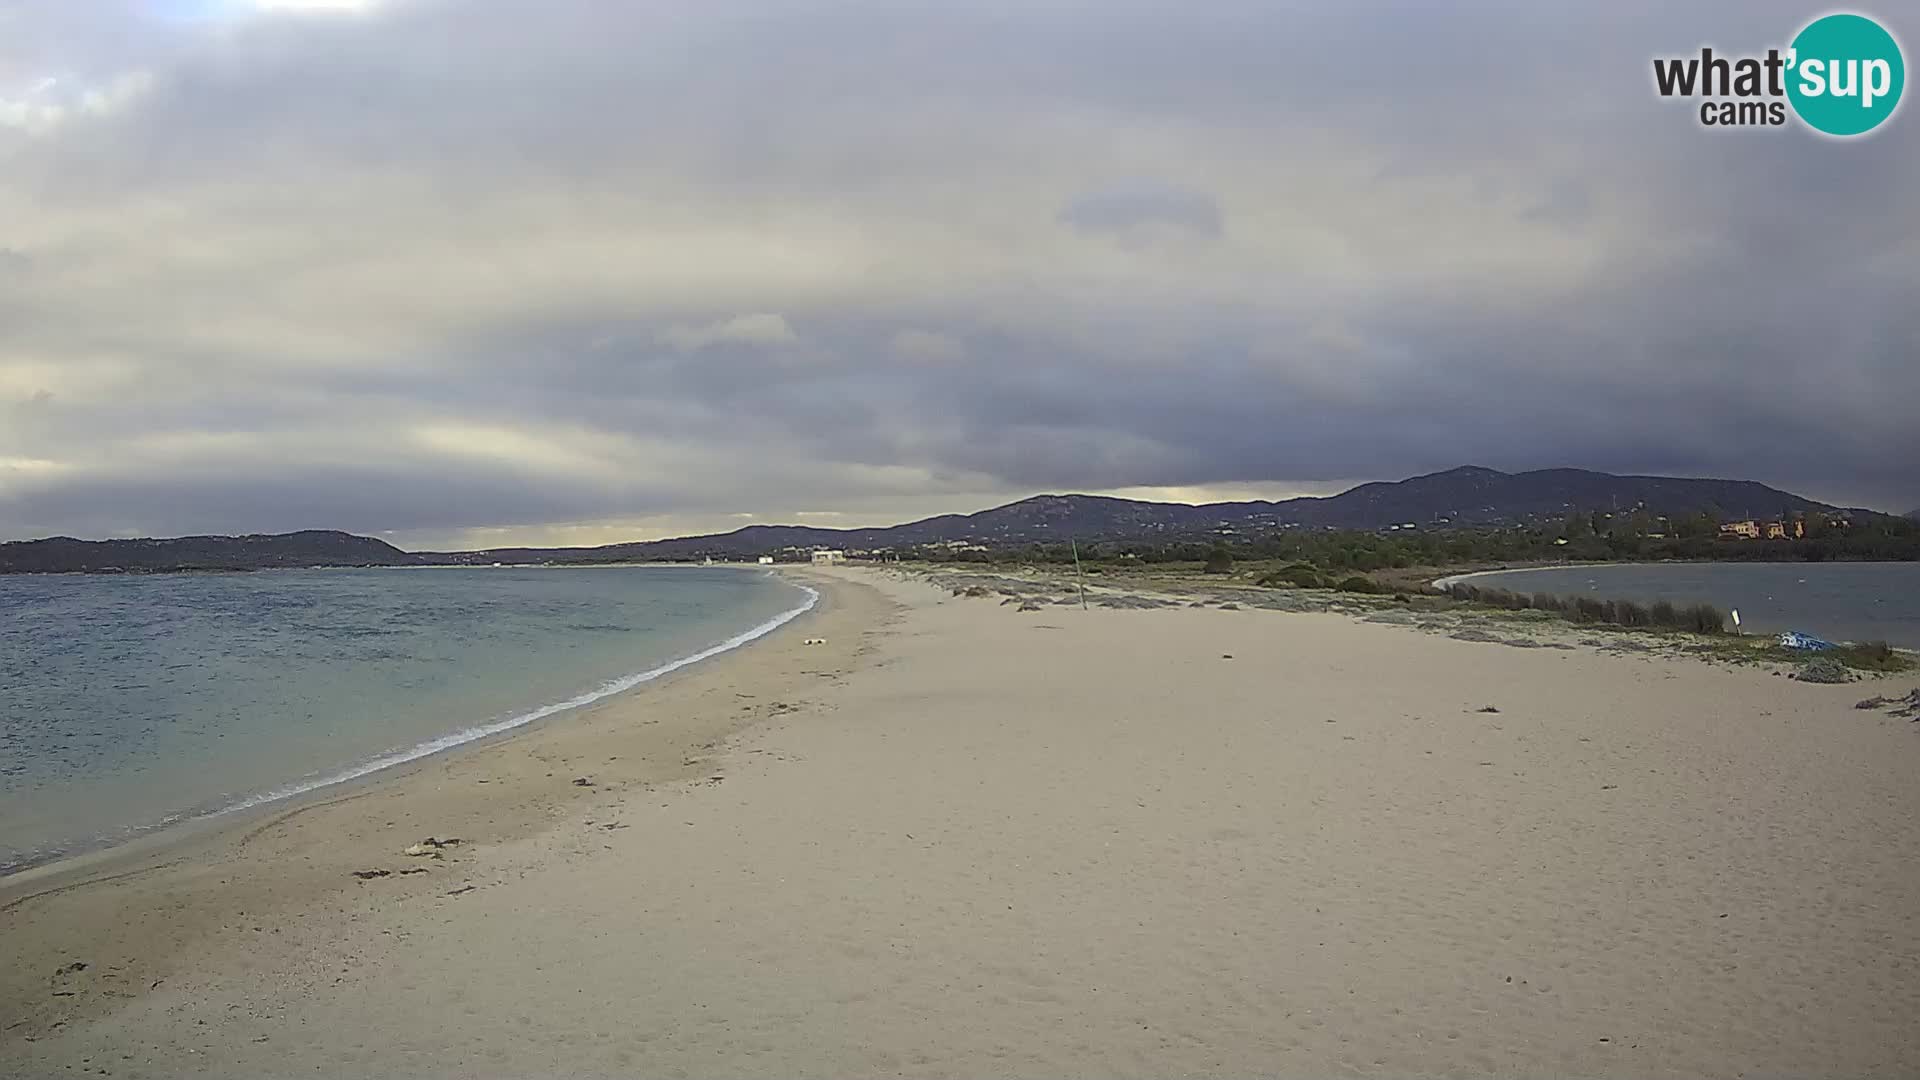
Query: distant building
(827, 557)
(1763, 530)
(766, 560)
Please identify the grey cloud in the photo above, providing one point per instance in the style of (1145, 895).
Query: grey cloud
(487, 264)
(1130, 206)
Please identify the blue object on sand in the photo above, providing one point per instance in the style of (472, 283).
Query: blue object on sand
(1794, 639)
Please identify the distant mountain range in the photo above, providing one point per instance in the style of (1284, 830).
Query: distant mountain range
(1462, 497)
(1466, 496)
(63, 554)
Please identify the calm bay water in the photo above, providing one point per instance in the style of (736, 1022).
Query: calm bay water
(130, 702)
(1838, 601)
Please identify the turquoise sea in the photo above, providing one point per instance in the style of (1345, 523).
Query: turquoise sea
(130, 703)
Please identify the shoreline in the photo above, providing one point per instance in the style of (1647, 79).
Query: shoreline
(1768, 614)
(979, 834)
(350, 773)
(192, 863)
(1440, 584)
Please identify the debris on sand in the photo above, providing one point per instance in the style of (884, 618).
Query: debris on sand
(582, 781)
(1131, 602)
(430, 847)
(1907, 705)
(1029, 606)
(1471, 634)
(63, 977)
(413, 870)
(462, 889)
(369, 875)
(1486, 708)
(1823, 669)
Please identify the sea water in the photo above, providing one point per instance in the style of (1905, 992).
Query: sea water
(1840, 601)
(131, 702)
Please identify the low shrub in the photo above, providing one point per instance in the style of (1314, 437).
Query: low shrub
(1699, 618)
(1628, 613)
(1302, 575)
(1358, 583)
(1704, 619)
(1823, 669)
(1872, 656)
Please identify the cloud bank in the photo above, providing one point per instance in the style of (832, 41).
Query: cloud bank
(496, 271)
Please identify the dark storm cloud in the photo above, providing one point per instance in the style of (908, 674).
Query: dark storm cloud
(435, 266)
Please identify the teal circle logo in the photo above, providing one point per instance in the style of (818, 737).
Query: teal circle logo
(1845, 74)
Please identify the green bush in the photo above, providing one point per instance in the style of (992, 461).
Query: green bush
(1358, 583)
(1663, 613)
(1219, 561)
(1299, 574)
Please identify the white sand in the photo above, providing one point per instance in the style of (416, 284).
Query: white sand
(1067, 843)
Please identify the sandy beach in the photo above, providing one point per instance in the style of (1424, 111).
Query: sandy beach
(963, 839)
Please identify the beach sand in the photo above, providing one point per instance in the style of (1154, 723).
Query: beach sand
(961, 839)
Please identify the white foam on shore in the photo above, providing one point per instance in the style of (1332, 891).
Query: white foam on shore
(497, 727)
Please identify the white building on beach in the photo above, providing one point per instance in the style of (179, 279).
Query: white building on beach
(827, 557)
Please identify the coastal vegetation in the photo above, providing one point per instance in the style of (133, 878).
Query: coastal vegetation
(1580, 537)
(1697, 618)
(1695, 627)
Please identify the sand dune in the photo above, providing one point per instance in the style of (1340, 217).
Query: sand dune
(965, 840)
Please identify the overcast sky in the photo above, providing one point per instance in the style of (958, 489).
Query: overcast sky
(471, 272)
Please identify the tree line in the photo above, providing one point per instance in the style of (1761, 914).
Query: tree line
(1582, 537)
